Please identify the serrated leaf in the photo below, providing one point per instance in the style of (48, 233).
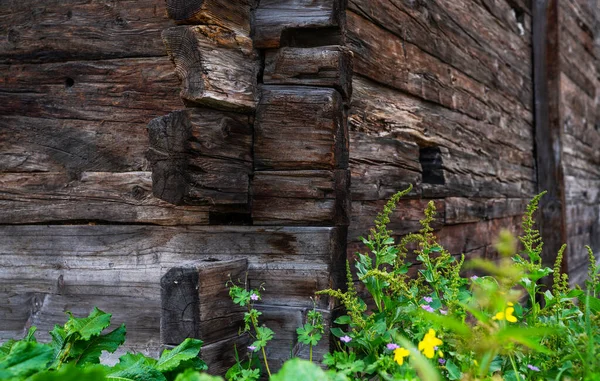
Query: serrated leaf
(191, 375)
(71, 373)
(138, 371)
(89, 326)
(25, 358)
(170, 359)
(5, 348)
(130, 359)
(89, 352)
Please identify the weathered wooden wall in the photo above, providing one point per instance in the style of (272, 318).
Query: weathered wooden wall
(579, 81)
(442, 100)
(138, 139)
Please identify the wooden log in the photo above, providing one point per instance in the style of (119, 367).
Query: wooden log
(301, 197)
(201, 157)
(327, 66)
(471, 162)
(273, 17)
(220, 356)
(121, 90)
(93, 197)
(81, 30)
(195, 301)
(217, 67)
(226, 13)
(390, 60)
(467, 210)
(300, 128)
(478, 49)
(382, 166)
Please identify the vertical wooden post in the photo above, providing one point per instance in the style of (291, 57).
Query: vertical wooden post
(548, 129)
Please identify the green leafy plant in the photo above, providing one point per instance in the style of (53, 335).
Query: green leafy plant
(75, 351)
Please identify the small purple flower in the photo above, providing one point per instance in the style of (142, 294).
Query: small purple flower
(428, 299)
(254, 297)
(252, 348)
(444, 312)
(441, 361)
(533, 367)
(392, 346)
(346, 339)
(474, 277)
(427, 307)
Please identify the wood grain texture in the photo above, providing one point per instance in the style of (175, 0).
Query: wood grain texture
(232, 14)
(201, 157)
(217, 67)
(55, 197)
(272, 17)
(64, 30)
(300, 128)
(301, 198)
(195, 302)
(392, 61)
(327, 66)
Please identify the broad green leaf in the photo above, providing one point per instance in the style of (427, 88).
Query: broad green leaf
(71, 373)
(137, 371)
(191, 375)
(89, 352)
(89, 326)
(25, 358)
(170, 359)
(5, 348)
(59, 336)
(593, 303)
(344, 319)
(337, 332)
(297, 369)
(130, 359)
(30, 334)
(453, 371)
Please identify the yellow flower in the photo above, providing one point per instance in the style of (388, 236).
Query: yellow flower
(507, 314)
(400, 354)
(428, 344)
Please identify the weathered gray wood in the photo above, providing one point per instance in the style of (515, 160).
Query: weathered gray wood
(196, 303)
(217, 67)
(201, 157)
(301, 197)
(92, 196)
(300, 128)
(233, 14)
(382, 166)
(220, 356)
(460, 210)
(327, 66)
(121, 90)
(272, 17)
(58, 30)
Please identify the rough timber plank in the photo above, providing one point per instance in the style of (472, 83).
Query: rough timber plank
(390, 60)
(217, 67)
(300, 128)
(123, 259)
(272, 17)
(196, 303)
(61, 30)
(92, 196)
(121, 90)
(472, 164)
(301, 197)
(457, 40)
(327, 66)
(232, 14)
(201, 157)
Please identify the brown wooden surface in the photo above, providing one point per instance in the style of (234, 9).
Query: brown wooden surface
(273, 17)
(215, 65)
(327, 66)
(233, 14)
(300, 128)
(201, 157)
(301, 197)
